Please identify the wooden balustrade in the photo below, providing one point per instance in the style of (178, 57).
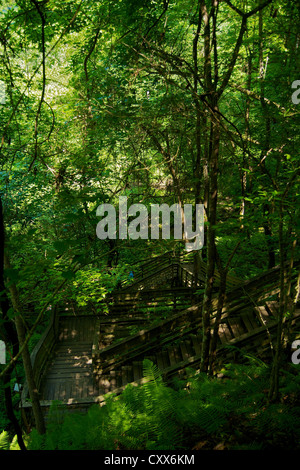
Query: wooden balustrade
(41, 352)
(237, 299)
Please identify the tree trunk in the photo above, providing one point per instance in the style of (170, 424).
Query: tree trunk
(274, 380)
(9, 334)
(21, 332)
(211, 235)
(212, 181)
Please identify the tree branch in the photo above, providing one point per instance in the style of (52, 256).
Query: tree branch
(43, 20)
(239, 41)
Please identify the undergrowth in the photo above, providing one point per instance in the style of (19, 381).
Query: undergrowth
(201, 413)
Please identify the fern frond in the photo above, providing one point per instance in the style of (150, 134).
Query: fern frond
(151, 372)
(4, 441)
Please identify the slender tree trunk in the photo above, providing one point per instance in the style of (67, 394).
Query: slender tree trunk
(269, 236)
(214, 339)
(284, 289)
(198, 130)
(246, 163)
(221, 300)
(212, 166)
(274, 381)
(21, 332)
(10, 336)
(262, 72)
(211, 235)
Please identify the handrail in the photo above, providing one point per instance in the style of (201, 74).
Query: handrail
(187, 278)
(146, 278)
(41, 352)
(237, 299)
(143, 270)
(129, 297)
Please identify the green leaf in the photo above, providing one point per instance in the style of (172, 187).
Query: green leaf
(68, 275)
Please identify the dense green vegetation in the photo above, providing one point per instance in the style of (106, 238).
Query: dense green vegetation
(230, 413)
(161, 101)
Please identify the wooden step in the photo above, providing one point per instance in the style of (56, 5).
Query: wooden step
(272, 307)
(196, 342)
(137, 370)
(248, 320)
(127, 374)
(184, 350)
(235, 327)
(172, 355)
(82, 363)
(170, 345)
(226, 333)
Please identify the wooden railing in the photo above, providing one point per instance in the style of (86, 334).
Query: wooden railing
(41, 352)
(186, 271)
(158, 295)
(168, 269)
(146, 270)
(250, 294)
(142, 269)
(186, 278)
(187, 263)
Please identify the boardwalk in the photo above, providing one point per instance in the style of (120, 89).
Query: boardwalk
(69, 376)
(81, 358)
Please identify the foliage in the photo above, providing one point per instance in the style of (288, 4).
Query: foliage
(154, 416)
(158, 102)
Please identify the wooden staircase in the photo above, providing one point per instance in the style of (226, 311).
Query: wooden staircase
(174, 357)
(84, 357)
(172, 267)
(248, 322)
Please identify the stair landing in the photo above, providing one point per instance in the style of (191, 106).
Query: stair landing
(69, 375)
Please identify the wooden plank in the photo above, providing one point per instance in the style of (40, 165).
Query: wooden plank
(166, 358)
(226, 331)
(130, 374)
(189, 348)
(196, 344)
(79, 364)
(234, 328)
(75, 389)
(56, 390)
(68, 388)
(221, 334)
(240, 326)
(90, 389)
(254, 335)
(60, 391)
(83, 388)
(160, 361)
(68, 374)
(183, 349)
(247, 322)
(177, 353)
(253, 319)
(124, 375)
(137, 370)
(172, 357)
(49, 390)
(273, 307)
